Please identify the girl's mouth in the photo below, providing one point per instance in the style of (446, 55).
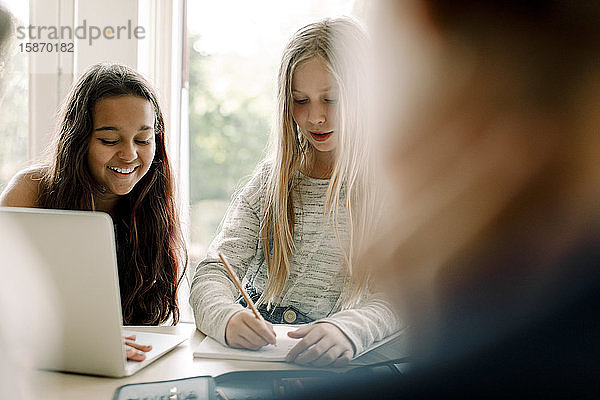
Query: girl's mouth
(123, 171)
(321, 136)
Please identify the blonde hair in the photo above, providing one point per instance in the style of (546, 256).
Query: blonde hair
(341, 43)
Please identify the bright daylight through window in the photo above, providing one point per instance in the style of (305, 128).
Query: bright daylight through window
(234, 52)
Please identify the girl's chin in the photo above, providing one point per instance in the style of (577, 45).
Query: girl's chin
(324, 146)
(118, 191)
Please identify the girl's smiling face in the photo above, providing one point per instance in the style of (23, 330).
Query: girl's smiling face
(122, 146)
(315, 95)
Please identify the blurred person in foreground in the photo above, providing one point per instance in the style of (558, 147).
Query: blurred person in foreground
(492, 114)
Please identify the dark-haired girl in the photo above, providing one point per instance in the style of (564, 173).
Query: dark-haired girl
(109, 155)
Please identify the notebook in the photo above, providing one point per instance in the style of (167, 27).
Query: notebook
(210, 348)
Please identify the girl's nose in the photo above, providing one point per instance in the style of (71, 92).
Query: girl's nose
(127, 152)
(317, 114)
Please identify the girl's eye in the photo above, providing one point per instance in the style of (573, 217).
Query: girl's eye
(108, 142)
(300, 101)
(143, 142)
(331, 101)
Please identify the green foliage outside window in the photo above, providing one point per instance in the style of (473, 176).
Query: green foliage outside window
(229, 127)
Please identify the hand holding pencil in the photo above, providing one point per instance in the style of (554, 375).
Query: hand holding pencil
(247, 329)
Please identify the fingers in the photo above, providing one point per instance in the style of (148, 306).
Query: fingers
(308, 341)
(300, 333)
(325, 353)
(138, 346)
(252, 341)
(322, 344)
(246, 340)
(135, 355)
(327, 358)
(135, 351)
(270, 325)
(244, 330)
(314, 354)
(261, 329)
(244, 343)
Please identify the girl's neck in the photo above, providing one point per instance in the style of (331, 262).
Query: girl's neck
(319, 165)
(105, 202)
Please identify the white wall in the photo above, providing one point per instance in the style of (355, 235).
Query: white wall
(110, 16)
(156, 52)
(50, 73)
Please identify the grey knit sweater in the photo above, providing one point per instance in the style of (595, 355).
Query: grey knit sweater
(316, 278)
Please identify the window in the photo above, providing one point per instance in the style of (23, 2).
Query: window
(14, 106)
(234, 53)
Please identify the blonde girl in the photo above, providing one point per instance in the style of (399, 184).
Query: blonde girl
(295, 228)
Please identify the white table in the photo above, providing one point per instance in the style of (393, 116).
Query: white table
(179, 363)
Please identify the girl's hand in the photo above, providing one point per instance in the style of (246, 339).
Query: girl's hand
(135, 351)
(245, 331)
(323, 344)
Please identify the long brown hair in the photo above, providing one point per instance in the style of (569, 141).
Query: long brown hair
(150, 250)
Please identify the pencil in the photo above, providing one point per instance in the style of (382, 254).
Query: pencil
(237, 282)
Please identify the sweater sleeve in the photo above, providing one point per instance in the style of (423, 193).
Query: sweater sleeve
(213, 293)
(371, 321)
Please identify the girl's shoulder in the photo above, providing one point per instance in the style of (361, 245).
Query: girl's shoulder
(24, 188)
(259, 179)
(263, 170)
(254, 191)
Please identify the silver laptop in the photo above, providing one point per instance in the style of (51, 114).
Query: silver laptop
(78, 250)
